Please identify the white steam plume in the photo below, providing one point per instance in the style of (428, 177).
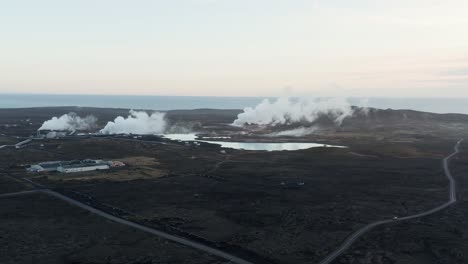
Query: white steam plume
(296, 132)
(285, 111)
(69, 122)
(139, 123)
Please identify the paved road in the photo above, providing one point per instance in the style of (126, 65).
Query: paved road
(18, 193)
(347, 243)
(19, 144)
(180, 240)
(167, 236)
(24, 142)
(452, 199)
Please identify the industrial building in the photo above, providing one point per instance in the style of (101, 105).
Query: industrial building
(82, 167)
(51, 134)
(45, 166)
(74, 166)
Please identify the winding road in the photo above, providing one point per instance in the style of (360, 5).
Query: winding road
(19, 144)
(452, 199)
(216, 252)
(146, 229)
(180, 240)
(18, 193)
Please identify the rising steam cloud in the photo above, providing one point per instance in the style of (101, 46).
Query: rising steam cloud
(286, 111)
(138, 122)
(69, 122)
(296, 132)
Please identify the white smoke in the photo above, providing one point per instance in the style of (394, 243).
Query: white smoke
(139, 123)
(286, 111)
(69, 122)
(296, 132)
(364, 106)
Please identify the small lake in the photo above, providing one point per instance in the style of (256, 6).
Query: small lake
(276, 146)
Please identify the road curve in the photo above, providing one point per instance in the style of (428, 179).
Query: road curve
(19, 144)
(213, 251)
(452, 199)
(18, 193)
(167, 236)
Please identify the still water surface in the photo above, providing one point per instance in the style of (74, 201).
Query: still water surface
(276, 146)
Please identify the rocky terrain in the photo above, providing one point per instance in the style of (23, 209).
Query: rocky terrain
(267, 207)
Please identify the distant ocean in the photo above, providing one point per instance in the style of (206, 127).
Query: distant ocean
(443, 105)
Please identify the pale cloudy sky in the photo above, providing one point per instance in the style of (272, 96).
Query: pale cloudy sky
(235, 47)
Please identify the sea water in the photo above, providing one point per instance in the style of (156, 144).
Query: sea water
(436, 105)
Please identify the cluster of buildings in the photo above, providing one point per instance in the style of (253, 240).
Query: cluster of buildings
(51, 134)
(74, 166)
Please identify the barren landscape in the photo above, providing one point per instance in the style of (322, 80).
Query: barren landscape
(263, 207)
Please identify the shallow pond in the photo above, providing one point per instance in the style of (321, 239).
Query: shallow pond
(276, 146)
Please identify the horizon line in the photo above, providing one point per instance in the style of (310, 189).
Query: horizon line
(236, 96)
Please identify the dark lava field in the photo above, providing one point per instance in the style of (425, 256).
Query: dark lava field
(266, 207)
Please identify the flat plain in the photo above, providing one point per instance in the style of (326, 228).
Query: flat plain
(267, 207)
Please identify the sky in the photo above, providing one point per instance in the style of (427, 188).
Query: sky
(398, 48)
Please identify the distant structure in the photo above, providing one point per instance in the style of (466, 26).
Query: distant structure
(45, 166)
(74, 166)
(51, 134)
(82, 166)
